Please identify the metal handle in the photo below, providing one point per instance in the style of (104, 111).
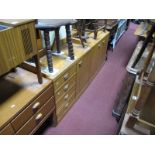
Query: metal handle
(80, 63)
(39, 116)
(66, 105)
(66, 97)
(36, 105)
(99, 45)
(66, 76)
(66, 87)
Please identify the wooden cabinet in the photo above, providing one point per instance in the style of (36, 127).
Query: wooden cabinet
(17, 44)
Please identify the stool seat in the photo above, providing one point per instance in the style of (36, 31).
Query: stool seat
(51, 24)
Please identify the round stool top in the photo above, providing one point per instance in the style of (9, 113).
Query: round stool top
(52, 24)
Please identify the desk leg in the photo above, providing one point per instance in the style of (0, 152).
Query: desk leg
(38, 69)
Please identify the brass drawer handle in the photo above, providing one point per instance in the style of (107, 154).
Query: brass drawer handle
(39, 116)
(66, 87)
(36, 105)
(66, 97)
(66, 105)
(80, 63)
(99, 45)
(66, 76)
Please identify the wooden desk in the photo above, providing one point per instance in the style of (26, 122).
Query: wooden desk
(23, 100)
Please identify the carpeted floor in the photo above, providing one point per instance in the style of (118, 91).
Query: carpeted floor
(92, 113)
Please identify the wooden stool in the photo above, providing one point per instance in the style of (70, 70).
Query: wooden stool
(54, 25)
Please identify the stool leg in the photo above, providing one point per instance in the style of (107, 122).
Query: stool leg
(69, 41)
(38, 69)
(48, 51)
(57, 39)
(95, 28)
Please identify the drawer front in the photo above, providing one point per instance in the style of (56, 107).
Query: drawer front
(24, 116)
(37, 119)
(8, 130)
(65, 88)
(65, 107)
(65, 77)
(66, 97)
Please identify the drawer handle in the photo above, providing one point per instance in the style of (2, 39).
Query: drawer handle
(80, 63)
(66, 87)
(66, 105)
(39, 116)
(99, 45)
(66, 97)
(66, 76)
(36, 105)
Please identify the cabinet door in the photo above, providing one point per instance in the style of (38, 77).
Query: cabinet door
(83, 72)
(6, 52)
(102, 47)
(95, 59)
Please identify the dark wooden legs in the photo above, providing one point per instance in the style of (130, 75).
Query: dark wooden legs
(57, 39)
(69, 41)
(48, 51)
(95, 28)
(38, 69)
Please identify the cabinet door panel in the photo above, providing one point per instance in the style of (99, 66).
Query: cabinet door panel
(6, 54)
(83, 72)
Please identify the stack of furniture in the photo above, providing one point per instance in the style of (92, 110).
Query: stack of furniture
(139, 118)
(71, 77)
(25, 104)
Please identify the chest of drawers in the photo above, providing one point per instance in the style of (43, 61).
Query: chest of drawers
(24, 104)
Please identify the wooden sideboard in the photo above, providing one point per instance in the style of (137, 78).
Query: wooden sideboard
(24, 103)
(71, 78)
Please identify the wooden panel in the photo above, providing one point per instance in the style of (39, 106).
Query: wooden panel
(23, 117)
(8, 130)
(83, 72)
(6, 50)
(65, 88)
(27, 37)
(37, 119)
(65, 77)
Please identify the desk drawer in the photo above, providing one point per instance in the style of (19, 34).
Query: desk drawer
(65, 88)
(8, 130)
(38, 118)
(60, 112)
(25, 115)
(65, 77)
(66, 97)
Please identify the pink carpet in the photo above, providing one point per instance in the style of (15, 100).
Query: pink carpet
(92, 113)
